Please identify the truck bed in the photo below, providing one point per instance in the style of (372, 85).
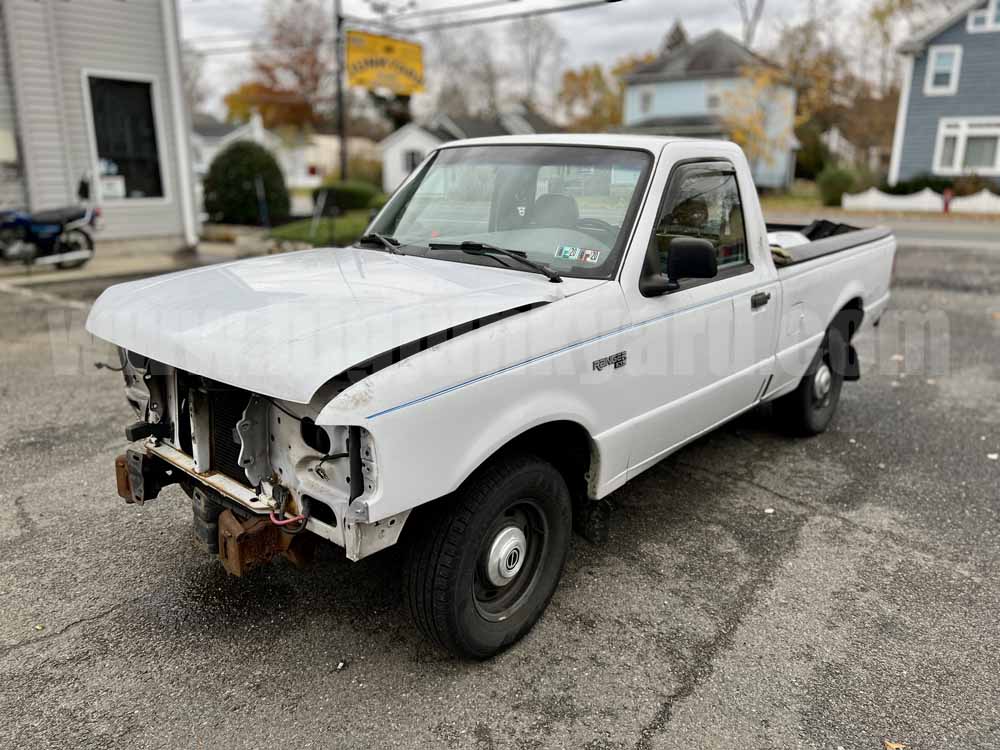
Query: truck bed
(824, 238)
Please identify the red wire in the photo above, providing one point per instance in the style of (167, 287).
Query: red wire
(287, 522)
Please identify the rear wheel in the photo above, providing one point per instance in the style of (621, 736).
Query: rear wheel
(72, 241)
(809, 409)
(484, 567)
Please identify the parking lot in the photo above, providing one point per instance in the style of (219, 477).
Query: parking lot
(757, 591)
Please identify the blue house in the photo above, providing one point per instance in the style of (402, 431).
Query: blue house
(949, 107)
(698, 89)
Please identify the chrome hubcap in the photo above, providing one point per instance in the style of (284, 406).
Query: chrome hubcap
(506, 556)
(822, 382)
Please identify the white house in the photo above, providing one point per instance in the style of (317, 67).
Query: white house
(93, 88)
(690, 90)
(306, 159)
(405, 148)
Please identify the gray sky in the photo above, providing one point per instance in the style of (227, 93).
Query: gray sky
(602, 34)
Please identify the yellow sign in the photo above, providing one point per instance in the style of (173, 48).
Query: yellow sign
(381, 62)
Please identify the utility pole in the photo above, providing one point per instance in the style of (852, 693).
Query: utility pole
(338, 19)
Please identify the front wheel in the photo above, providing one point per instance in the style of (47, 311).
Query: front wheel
(72, 241)
(809, 409)
(484, 567)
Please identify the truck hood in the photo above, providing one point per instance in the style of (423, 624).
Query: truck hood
(284, 325)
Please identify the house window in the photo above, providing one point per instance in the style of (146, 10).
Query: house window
(645, 101)
(980, 152)
(986, 19)
(968, 146)
(412, 159)
(125, 138)
(948, 149)
(944, 63)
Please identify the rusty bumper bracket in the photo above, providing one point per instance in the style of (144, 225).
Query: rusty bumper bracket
(140, 477)
(244, 545)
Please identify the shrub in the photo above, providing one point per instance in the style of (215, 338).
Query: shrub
(918, 183)
(833, 182)
(347, 195)
(971, 184)
(362, 169)
(379, 201)
(813, 156)
(231, 186)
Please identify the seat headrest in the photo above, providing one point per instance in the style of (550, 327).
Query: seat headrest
(690, 213)
(555, 210)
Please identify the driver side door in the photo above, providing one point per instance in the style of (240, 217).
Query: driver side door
(690, 377)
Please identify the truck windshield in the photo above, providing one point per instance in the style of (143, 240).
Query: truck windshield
(568, 207)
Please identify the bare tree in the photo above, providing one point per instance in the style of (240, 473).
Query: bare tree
(450, 65)
(488, 76)
(750, 17)
(297, 54)
(193, 75)
(538, 49)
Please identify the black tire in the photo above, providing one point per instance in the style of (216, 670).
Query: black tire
(805, 411)
(446, 579)
(76, 239)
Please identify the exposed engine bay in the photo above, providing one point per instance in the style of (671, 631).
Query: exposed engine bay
(259, 471)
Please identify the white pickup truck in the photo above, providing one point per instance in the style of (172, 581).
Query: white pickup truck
(529, 323)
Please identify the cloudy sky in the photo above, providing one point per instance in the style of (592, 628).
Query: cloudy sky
(601, 34)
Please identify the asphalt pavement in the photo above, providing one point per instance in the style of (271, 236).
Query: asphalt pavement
(758, 591)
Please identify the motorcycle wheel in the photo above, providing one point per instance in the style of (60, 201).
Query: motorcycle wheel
(71, 241)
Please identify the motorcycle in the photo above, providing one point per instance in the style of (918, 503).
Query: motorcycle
(62, 237)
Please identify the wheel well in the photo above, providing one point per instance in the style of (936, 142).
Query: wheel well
(564, 444)
(850, 317)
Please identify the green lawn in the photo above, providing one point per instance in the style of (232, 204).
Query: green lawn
(801, 196)
(340, 231)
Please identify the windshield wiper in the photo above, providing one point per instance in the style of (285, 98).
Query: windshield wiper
(482, 248)
(389, 243)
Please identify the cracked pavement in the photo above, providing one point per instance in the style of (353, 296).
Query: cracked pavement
(757, 591)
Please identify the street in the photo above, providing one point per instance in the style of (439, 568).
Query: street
(757, 591)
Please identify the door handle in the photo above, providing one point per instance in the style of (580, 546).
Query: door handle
(759, 300)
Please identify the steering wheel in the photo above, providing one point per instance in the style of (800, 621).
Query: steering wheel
(597, 224)
(589, 225)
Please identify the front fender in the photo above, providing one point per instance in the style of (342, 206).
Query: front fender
(437, 416)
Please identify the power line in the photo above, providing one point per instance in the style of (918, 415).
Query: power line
(251, 44)
(461, 8)
(506, 17)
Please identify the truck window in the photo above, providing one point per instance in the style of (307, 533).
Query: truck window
(703, 200)
(568, 207)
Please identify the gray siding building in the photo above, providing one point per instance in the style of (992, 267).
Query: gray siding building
(92, 88)
(949, 109)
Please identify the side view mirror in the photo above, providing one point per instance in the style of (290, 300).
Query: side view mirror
(83, 189)
(688, 258)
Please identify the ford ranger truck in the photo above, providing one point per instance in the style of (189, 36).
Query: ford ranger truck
(529, 323)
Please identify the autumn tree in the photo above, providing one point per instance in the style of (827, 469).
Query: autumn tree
(291, 70)
(592, 97)
(299, 52)
(887, 19)
(757, 114)
(277, 107)
(815, 67)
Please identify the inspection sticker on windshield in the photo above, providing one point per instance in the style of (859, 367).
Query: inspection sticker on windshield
(569, 252)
